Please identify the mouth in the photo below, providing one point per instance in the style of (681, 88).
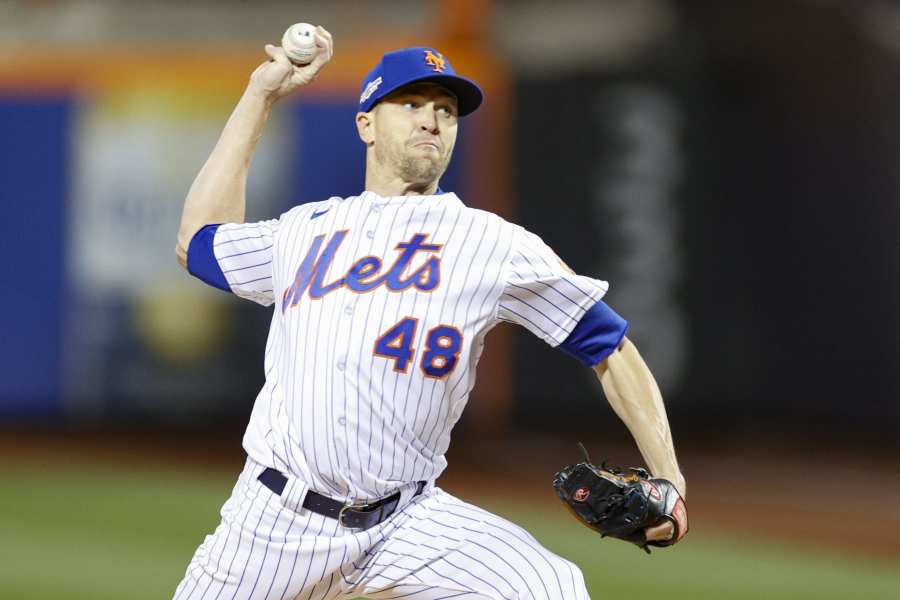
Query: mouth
(427, 144)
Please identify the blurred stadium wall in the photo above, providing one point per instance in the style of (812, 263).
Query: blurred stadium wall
(730, 168)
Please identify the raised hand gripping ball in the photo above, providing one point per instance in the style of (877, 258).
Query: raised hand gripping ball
(299, 43)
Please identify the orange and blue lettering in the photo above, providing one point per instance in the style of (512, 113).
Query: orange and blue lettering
(365, 274)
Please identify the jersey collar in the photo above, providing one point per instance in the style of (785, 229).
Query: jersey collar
(440, 195)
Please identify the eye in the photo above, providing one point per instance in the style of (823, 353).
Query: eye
(410, 104)
(446, 111)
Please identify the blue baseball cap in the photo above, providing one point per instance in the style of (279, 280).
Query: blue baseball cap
(412, 65)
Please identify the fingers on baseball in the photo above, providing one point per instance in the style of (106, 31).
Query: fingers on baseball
(277, 54)
(326, 38)
(324, 46)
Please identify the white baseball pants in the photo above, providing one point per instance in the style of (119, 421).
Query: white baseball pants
(434, 546)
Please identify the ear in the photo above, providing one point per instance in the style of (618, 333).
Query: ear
(365, 127)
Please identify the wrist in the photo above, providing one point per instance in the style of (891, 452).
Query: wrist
(259, 97)
(675, 478)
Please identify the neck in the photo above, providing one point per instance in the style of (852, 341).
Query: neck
(387, 185)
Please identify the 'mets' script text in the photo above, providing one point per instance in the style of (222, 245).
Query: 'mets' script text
(365, 274)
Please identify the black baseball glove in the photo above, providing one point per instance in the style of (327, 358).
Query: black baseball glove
(621, 503)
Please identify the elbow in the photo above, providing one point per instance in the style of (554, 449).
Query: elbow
(181, 255)
(183, 242)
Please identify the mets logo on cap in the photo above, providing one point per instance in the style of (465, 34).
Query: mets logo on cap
(435, 60)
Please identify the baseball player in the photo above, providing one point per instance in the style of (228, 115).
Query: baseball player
(381, 305)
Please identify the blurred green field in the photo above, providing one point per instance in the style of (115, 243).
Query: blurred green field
(115, 533)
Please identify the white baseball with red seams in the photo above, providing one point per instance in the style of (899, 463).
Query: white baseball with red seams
(299, 43)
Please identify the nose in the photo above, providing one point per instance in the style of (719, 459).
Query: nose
(428, 120)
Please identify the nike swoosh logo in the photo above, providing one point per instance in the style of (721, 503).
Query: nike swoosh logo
(319, 213)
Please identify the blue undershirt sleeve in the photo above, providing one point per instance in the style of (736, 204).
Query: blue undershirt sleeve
(597, 335)
(201, 259)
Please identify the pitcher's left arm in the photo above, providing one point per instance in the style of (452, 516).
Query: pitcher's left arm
(634, 396)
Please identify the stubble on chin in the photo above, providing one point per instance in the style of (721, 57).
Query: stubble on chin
(420, 169)
(414, 169)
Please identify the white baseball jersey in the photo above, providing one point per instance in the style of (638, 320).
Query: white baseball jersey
(381, 306)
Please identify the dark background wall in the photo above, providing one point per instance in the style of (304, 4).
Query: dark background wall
(782, 209)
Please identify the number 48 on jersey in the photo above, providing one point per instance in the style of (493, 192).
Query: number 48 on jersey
(442, 346)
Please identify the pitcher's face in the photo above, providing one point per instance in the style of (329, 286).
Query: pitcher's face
(415, 132)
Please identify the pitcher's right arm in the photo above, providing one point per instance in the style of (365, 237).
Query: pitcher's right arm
(218, 194)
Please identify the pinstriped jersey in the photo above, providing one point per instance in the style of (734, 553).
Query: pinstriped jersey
(380, 310)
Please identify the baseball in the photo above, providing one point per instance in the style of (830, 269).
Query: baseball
(299, 43)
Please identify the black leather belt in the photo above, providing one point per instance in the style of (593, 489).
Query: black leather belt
(355, 516)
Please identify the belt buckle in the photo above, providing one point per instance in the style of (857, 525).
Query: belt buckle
(344, 509)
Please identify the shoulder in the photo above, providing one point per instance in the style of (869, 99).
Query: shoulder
(507, 234)
(517, 236)
(492, 219)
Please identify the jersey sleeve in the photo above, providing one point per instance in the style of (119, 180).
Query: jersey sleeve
(545, 296)
(237, 258)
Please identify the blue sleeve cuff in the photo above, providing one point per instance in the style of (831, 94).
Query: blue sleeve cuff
(201, 260)
(596, 336)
